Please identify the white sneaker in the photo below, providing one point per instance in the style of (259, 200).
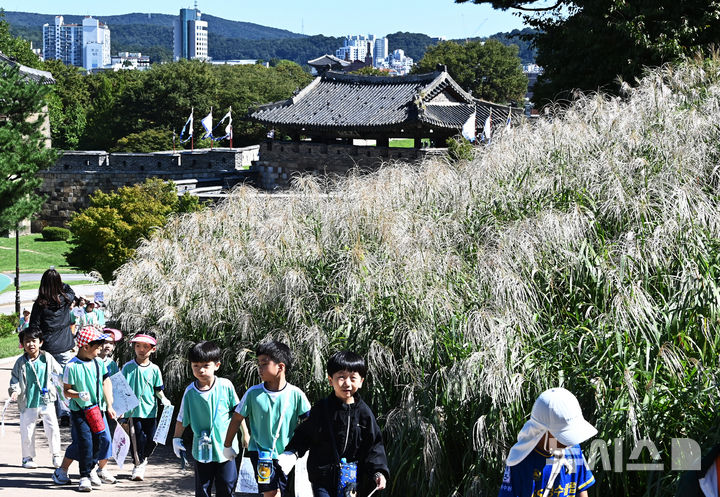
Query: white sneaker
(57, 461)
(85, 484)
(138, 472)
(60, 477)
(105, 476)
(94, 478)
(28, 463)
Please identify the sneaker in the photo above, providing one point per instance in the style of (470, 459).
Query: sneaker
(60, 477)
(138, 472)
(85, 484)
(28, 463)
(94, 478)
(57, 461)
(105, 476)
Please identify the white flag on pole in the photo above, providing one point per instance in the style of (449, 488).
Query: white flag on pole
(468, 129)
(207, 124)
(487, 129)
(228, 128)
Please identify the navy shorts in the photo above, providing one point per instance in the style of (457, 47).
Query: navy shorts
(278, 480)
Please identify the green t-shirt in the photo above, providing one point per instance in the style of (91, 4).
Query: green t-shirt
(35, 373)
(264, 409)
(111, 366)
(143, 380)
(82, 377)
(209, 410)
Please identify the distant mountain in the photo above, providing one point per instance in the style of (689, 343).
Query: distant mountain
(152, 34)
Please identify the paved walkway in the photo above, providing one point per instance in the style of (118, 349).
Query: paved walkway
(7, 299)
(163, 476)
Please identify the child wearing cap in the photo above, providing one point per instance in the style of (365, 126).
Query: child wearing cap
(106, 352)
(87, 385)
(547, 460)
(146, 382)
(32, 387)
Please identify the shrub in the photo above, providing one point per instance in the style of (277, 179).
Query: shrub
(53, 234)
(581, 251)
(8, 324)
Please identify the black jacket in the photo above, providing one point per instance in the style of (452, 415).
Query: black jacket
(54, 321)
(357, 438)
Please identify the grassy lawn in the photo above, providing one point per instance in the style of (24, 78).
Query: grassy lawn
(36, 255)
(9, 346)
(406, 142)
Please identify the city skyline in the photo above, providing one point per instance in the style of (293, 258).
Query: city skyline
(431, 17)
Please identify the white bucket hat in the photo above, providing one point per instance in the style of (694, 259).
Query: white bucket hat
(556, 411)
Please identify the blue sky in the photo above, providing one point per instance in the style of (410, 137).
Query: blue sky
(332, 18)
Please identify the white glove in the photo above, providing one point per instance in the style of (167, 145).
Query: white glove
(178, 446)
(287, 461)
(166, 402)
(229, 453)
(84, 396)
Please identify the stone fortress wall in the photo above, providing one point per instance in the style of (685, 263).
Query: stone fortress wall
(76, 175)
(281, 160)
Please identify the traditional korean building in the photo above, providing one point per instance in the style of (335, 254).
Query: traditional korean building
(325, 117)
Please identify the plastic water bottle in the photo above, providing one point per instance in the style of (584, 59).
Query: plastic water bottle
(204, 447)
(265, 470)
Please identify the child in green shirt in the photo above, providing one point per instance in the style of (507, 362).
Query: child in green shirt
(32, 387)
(146, 382)
(88, 386)
(273, 409)
(206, 407)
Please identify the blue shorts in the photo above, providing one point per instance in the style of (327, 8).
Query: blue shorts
(278, 479)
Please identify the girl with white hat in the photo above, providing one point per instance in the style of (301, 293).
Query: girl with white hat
(547, 460)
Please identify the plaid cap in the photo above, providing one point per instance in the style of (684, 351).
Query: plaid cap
(90, 333)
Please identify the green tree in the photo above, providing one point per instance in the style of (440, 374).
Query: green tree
(106, 234)
(490, 70)
(15, 47)
(68, 105)
(22, 146)
(149, 140)
(592, 44)
(369, 71)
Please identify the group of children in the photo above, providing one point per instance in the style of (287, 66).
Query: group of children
(274, 418)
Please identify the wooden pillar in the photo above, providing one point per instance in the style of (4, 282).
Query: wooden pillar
(418, 142)
(383, 141)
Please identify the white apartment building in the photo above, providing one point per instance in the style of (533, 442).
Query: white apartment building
(84, 45)
(190, 35)
(96, 44)
(355, 47)
(398, 62)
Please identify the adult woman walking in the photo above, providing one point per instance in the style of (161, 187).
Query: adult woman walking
(51, 314)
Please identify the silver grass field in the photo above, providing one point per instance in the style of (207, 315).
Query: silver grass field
(582, 251)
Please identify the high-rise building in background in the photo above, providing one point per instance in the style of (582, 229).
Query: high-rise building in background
(381, 51)
(356, 47)
(191, 36)
(84, 45)
(96, 44)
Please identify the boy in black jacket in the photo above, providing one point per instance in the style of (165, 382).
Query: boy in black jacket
(340, 426)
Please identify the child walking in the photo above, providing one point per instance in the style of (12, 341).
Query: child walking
(146, 382)
(206, 407)
(273, 408)
(106, 352)
(88, 386)
(547, 460)
(32, 387)
(340, 428)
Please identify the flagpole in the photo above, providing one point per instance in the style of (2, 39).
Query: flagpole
(211, 127)
(173, 141)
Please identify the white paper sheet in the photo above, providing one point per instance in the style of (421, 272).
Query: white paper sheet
(120, 446)
(163, 427)
(124, 399)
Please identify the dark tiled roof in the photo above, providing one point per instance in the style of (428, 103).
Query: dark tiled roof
(348, 101)
(499, 114)
(42, 77)
(328, 60)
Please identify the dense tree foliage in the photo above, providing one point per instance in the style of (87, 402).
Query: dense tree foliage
(16, 47)
(490, 70)
(591, 44)
(22, 146)
(105, 235)
(139, 110)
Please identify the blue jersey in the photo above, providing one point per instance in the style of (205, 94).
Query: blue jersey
(530, 477)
